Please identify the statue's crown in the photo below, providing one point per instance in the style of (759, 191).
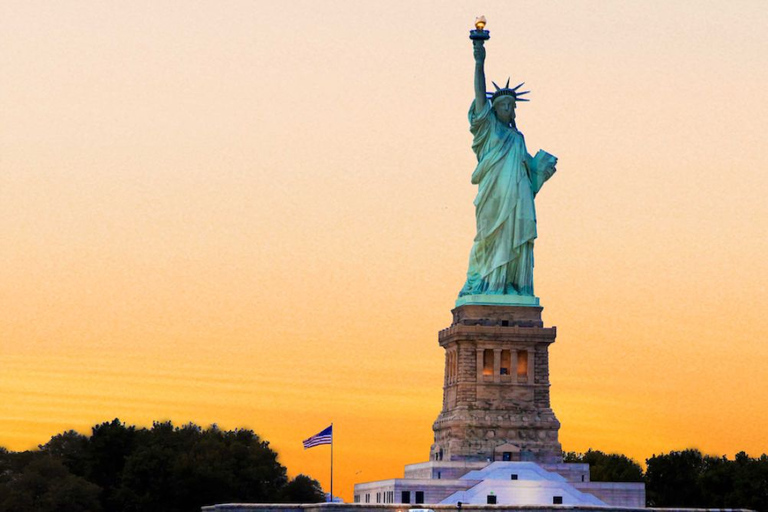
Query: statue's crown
(506, 91)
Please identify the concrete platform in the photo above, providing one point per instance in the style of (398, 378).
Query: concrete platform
(365, 507)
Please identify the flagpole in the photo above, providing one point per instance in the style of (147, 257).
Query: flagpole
(331, 462)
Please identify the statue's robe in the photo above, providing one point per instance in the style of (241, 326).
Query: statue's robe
(508, 178)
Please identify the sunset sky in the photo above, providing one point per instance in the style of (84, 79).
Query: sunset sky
(259, 215)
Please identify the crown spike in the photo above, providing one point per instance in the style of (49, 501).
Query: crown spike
(506, 91)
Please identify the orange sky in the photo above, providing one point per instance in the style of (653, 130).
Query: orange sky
(259, 215)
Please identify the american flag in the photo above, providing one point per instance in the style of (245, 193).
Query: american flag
(324, 437)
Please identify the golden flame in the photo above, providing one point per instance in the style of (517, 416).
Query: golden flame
(480, 23)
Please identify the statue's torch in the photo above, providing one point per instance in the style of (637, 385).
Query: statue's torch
(479, 34)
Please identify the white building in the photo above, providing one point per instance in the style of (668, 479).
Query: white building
(500, 483)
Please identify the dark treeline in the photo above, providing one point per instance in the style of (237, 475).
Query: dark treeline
(687, 478)
(120, 468)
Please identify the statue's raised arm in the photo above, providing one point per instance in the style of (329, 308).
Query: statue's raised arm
(479, 36)
(480, 98)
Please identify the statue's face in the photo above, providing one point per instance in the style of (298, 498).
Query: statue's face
(505, 109)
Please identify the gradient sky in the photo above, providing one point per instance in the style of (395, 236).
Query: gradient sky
(259, 215)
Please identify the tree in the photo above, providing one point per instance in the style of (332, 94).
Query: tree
(672, 480)
(110, 445)
(122, 468)
(38, 482)
(751, 482)
(689, 479)
(184, 468)
(604, 467)
(72, 449)
(302, 489)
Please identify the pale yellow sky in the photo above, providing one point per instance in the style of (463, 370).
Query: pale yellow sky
(260, 216)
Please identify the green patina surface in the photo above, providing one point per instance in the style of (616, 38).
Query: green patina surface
(508, 178)
(498, 300)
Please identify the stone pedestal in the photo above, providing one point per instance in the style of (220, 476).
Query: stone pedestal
(496, 389)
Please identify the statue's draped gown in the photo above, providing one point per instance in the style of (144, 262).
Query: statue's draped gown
(508, 178)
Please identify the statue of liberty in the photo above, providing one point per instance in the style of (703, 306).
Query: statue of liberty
(508, 178)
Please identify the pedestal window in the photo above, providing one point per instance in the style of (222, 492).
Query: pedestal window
(487, 362)
(522, 365)
(506, 363)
